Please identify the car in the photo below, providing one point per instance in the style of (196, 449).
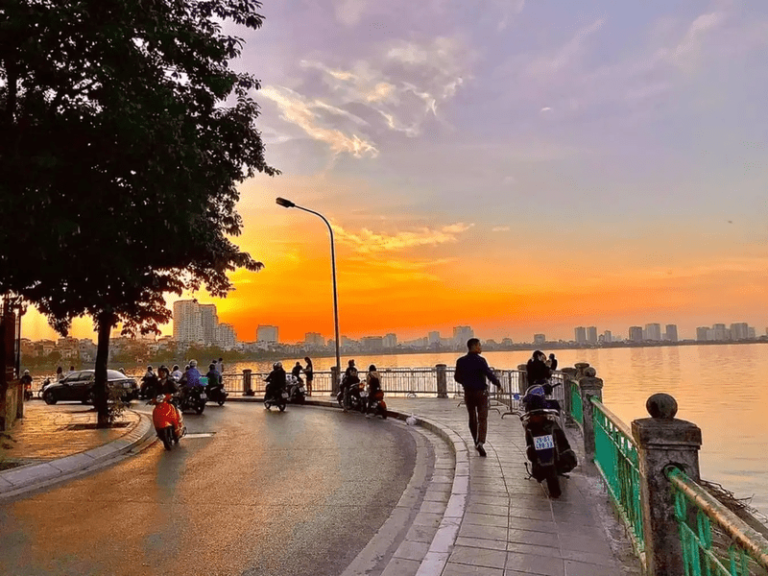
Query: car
(78, 387)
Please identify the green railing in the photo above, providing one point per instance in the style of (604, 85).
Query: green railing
(577, 410)
(617, 460)
(714, 540)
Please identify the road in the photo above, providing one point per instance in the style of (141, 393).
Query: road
(270, 493)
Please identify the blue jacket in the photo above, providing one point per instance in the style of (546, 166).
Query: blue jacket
(471, 372)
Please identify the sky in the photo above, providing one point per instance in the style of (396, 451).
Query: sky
(516, 166)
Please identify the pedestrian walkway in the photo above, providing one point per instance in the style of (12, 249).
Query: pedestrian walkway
(509, 526)
(50, 432)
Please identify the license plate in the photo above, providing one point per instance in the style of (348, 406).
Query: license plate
(203, 396)
(126, 384)
(301, 389)
(543, 442)
(364, 394)
(285, 394)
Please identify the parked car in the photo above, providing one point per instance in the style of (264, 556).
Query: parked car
(78, 387)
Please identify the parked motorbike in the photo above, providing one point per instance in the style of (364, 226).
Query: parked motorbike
(296, 392)
(547, 446)
(28, 391)
(278, 398)
(378, 407)
(353, 399)
(193, 398)
(168, 422)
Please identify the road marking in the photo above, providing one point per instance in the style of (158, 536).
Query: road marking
(200, 435)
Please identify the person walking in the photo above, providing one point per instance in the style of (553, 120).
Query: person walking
(471, 372)
(309, 372)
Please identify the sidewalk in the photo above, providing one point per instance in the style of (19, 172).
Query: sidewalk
(509, 526)
(53, 441)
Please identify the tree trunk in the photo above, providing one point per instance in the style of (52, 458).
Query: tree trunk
(105, 321)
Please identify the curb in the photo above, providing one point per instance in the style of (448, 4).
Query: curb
(27, 478)
(442, 544)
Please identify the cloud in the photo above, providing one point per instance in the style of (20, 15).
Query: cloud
(687, 48)
(349, 12)
(320, 120)
(367, 241)
(546, 66)
(500, 229)
(546, 109)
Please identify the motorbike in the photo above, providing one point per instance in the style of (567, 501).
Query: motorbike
(279, 398)
(148, 388)
(168, 422)
(353, 399)
(216, 393)
(28, 391)
(296, 392)
(547, 446)
(193, 398)
(378, 407)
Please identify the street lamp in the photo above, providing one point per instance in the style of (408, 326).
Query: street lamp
(288, 204)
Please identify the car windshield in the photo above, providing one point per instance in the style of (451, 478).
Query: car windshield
(115, 375)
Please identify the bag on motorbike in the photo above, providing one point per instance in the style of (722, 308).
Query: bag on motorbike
(566, 460)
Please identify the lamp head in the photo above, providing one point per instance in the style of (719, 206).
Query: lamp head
(285, 203)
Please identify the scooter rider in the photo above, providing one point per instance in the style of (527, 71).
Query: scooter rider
(191, 378)
(373, 380)
(296, 372)
(214, 380)
(176, 374)
(275, 381)
(350, 378)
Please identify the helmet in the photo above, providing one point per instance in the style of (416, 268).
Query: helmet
(149, 368)
(163, 369)
(193, 363)
(175, 367)
(277, 365)
(26, 372)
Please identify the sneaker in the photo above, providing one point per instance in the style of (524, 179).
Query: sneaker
(480, 449)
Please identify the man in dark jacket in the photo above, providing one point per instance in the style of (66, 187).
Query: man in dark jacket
(537, 370)
(471, 372)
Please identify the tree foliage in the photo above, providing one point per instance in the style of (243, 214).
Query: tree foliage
(124, 134)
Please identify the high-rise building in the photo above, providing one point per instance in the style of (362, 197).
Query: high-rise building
(433, 337)
(670, 333)
(461, 334)
(313, 340)
(720, 333)
(267, 333)
(635, 334)
(607, 337)
(372, 343)
(225, 336)
(739, 331)
(653, 332)
(592, 335)
(702, 334)
(209, 321)
(751, 333)
(539, 339)
(390, 341)
(580, 335)
(187, 322)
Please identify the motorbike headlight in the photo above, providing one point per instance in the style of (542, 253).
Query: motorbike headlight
(159, 398)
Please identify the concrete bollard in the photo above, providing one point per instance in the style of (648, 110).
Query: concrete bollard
(580, 367)
(247, 390)
(662, 441)
(569, 375)
(590, 387)
(334, 381)
(442, 380)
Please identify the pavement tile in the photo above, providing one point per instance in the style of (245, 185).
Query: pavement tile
(433, 507)
(479, 557)
(589, 558)
(533, 525)
(521, 548)
(456, 506)
(542, 515)
(410, 550)
(593, 531)
(490, 499)
(401, 567)
(584, 544)
(30, 474)
(486, 519)
(484, 532)
(421, 533)
(452, 569)
(433, 563)
(532, 564)
(573, 568)
(427, 519)
(480, 543)
(432, 495)
(488, 509)
(536, 538)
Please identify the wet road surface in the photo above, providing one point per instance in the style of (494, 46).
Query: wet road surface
(293, 493)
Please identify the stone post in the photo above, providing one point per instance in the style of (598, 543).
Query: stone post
(442, 381)
(247, 390)
(569, 375)
(662, 441)
(580, 367)
(590, 387)
(334, 381)
(523, 379)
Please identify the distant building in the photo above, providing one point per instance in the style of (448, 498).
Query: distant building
(507, 342)
(740, 331)
(187, 322)
(225, 336)
(702, 334)
(267, 333)
(592, 335)
(313, 340)
(635, 334)
(653, 332)
(670, 333)
(720, 333)
(390, 341)
(539, 339)
(580, 335)
(751, 333)
(433, 337)
(607, 337)
(372, 343)
(461, 334)
(209, 321)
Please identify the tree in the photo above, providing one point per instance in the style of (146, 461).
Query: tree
(125, 134)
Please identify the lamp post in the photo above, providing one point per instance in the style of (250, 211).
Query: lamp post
(288, 204)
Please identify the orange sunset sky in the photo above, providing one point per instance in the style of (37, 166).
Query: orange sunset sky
(522, 168)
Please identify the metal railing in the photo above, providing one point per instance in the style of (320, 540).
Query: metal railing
(616, 458)
(577, 409)
(714, 540)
